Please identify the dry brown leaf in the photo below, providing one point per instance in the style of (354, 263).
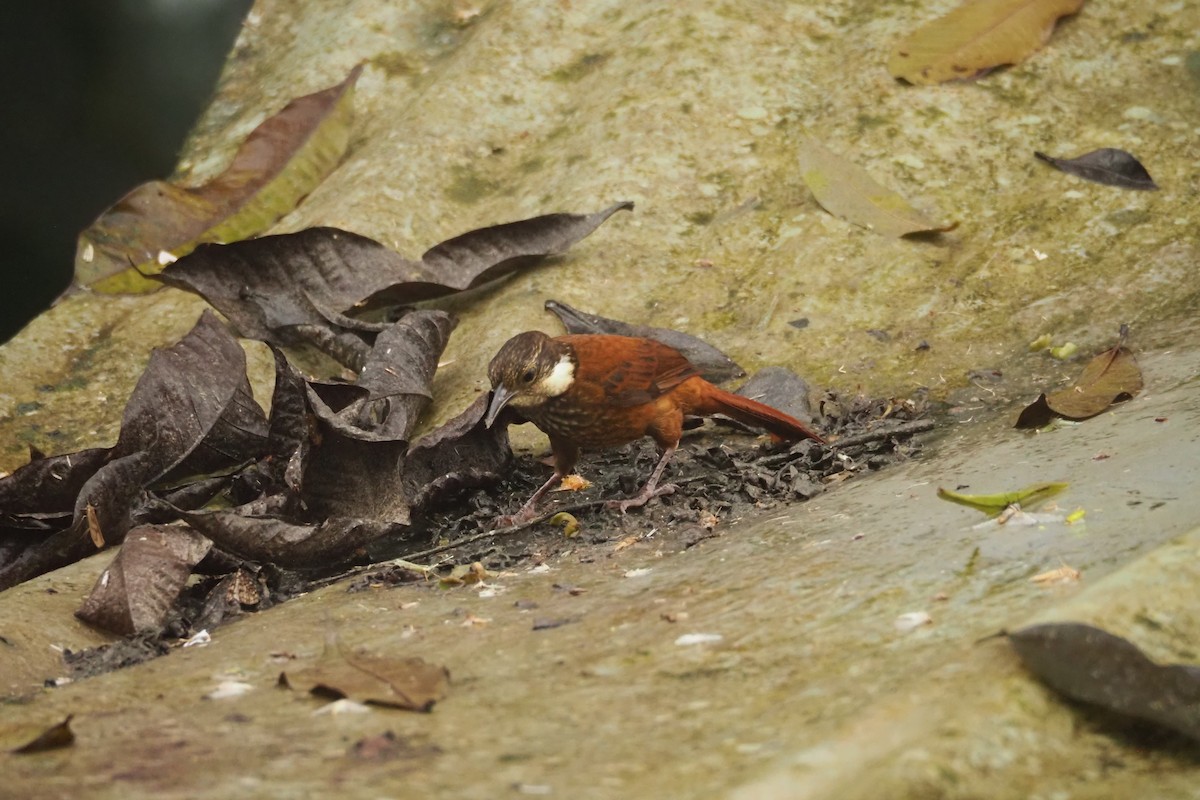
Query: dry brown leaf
(977, 36)
(848, 191)
(139, 588)
(280, 162)
(409, 683)
(1111, 377)
(93, 526)
(53, 738)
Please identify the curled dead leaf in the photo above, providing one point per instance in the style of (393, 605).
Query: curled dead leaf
(1111, 377)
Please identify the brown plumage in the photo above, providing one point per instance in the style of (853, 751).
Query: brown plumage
(600, 391)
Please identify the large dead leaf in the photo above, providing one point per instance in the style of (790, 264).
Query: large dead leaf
(1111, 377)
(975, 37)
(295, 545)
(139, 588)
(1091, 665)
(846, 190)
(46, 485)
(409, 683)
(281, 161)
(714, 365)
(303, 287)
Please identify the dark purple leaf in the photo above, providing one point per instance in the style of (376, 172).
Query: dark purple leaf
(112, 493)
(395, 384)
(398, 374)
(1106, 165)
(137, 591)
(288, 435)
(461, 454)
(50, 483)
(186, 390)
(301, 287)
(194, 389)
(349, 476)
(714, 365)
(290, 544)
(1094, 666)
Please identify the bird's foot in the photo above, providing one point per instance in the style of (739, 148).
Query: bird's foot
(522, 517)
(643, 497)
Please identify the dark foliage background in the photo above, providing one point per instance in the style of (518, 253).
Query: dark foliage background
(98, 97)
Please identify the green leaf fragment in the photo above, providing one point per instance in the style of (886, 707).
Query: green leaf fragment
(993, 504)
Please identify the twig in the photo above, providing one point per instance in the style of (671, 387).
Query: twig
(903, 429)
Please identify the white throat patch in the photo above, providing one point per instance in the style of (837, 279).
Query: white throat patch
(559, 379)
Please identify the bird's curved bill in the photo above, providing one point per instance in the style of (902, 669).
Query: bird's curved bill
(500, 398)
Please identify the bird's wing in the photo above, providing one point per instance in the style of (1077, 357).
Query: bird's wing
(630, 371)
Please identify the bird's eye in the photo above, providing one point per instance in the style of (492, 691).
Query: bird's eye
(527, 376)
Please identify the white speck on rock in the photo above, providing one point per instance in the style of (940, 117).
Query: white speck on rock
(911, 621)
(1139, 112)
(689, 639)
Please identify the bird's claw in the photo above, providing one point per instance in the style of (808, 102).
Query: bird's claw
(525, 515)
(641, 499)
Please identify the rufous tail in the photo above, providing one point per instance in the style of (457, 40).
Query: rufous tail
(754, 413)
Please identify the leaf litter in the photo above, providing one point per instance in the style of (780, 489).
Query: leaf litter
(329, 479)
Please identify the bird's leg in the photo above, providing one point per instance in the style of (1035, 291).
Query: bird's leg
(566, 454)
(529, 510)
(651, 489)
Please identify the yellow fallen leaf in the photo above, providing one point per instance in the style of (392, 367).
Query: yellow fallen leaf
(977, 36)
(377, 678)
(567, 522)
(848, 191)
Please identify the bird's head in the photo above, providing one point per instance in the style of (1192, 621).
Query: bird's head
(529, 369)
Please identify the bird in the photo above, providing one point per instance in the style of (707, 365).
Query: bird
(598, 391)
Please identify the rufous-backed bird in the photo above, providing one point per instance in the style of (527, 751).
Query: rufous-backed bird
(598, 391)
